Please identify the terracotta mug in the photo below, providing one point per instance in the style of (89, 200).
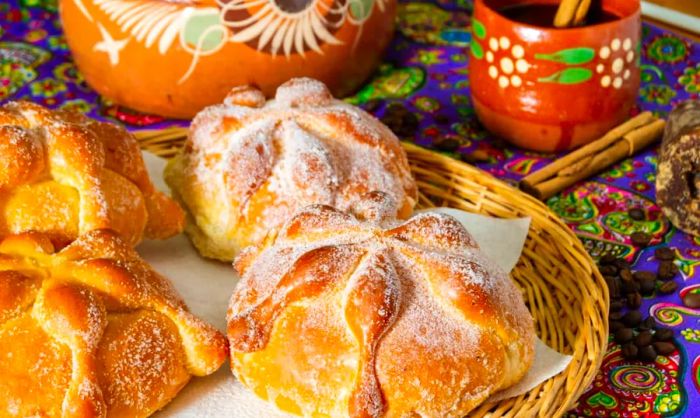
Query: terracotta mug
(174, 57)
(550, 89)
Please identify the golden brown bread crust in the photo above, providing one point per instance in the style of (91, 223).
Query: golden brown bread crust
(249, 164)
(64, 174)
(92, 331)
(336, 317)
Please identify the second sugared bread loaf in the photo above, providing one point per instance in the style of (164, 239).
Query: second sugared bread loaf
(64, 174)
(363, 316)
(249, 164)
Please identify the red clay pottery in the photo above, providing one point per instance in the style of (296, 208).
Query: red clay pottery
(174, 57)
(549, 89)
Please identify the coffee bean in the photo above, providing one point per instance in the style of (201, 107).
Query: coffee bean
(634, 300)
(626, 274)
(667, 288)
(648, 324)
(637, 214)
(608, 270)
(476, 156)
(667, 270)
(629, 351)
(692, 300)
(624, 335)
(643, 275)
(642, 339)
(665, 254)
(640, 239)
(616, 305)
(663, 334)
(664, 348)
(447, 144)
(647, 353)
(614, 286)
(647, 287)
(615, 316)
(631, 287)
(621, 263)
(607, 258)
(372, 105)
(615, 326)
(632, 318)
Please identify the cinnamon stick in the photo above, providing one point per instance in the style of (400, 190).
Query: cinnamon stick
(571, 13)
(619, 143)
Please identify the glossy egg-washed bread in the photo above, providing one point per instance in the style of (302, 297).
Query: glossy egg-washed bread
(339, 316)
(249, 164)
(92, 331)
(64, 174)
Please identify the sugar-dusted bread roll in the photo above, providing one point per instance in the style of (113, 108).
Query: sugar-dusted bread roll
(92, 331)
(64, 174)
(249, 164)
(339, 316)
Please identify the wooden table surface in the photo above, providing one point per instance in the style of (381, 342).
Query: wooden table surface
(691, 7)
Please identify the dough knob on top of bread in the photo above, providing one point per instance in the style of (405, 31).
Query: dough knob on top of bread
(64, 174)
(93, 331)
(363, 316)
(249, 164)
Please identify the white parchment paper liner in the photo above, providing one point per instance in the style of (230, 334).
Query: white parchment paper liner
(207, 286)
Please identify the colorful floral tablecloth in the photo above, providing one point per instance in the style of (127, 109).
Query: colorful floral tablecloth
(426, 73)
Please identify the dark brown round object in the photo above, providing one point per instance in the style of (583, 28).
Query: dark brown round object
(666, 288)
(649, 323)
(372, 105)
(643, 339)
(664, 348)
(644, 275)
(647, 353)
(615, 326)
(632, 318)
(647, 287)
(626, 275)
(637, 214)
(621, 263)
(631, 287)
(624, 335)
(640, 239)
(692, 300)
(447, 143)
(615, 316)
(614, 286)
(616, 305)
(630, 351)
(667, 270)
(475, 156)
(665, 254)
(663, 334)
(608, 270)
(606, 259)
(634, 300)
(677, 185)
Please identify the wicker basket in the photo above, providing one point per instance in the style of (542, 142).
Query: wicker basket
(566, 294)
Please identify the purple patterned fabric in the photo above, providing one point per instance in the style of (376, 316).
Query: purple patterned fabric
(425, 77)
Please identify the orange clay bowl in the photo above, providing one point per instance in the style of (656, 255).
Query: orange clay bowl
(550, 89)
(563, 289)
(173, 58)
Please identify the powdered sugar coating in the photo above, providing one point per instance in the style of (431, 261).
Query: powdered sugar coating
(80, 175)
(247, 167)
(418, 320)
(131, 343)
